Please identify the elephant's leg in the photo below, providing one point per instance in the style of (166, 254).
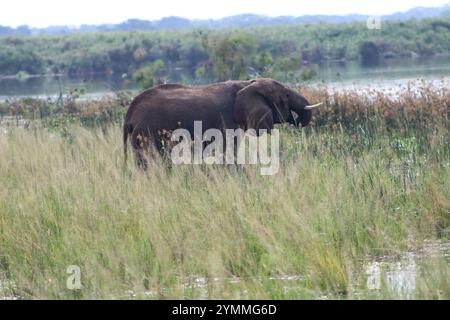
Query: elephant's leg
(159, 146)
(141, 159)
(139, 151)
(230, 148)
(235, 143)
(144, 147)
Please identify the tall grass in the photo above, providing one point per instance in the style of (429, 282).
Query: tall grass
(343, 194)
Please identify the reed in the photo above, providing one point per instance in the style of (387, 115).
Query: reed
(346, 191)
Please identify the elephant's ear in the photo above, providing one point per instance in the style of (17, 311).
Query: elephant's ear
(253, 108)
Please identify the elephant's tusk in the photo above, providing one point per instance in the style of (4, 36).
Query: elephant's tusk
(313, 106)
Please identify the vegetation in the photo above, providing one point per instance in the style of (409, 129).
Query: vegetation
(369, 178)
(236, 21)
(280, 52)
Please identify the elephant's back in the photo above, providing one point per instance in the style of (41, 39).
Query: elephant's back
(171, 106)
(149, 93)
(140, 101)
(178, 99)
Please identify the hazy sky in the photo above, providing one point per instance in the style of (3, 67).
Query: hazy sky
(41, 13)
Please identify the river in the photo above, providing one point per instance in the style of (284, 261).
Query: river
(392, 73)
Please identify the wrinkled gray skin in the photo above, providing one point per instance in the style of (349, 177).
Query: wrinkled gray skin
(255, 104)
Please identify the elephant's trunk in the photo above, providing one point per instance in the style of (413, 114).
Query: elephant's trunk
(302, 107)
(304, 117)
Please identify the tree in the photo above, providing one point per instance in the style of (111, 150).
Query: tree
(288, 65)
(369, 52)
(145, 76)
(231, 55)
(264, 62)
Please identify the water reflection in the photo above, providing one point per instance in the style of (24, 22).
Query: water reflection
(386, 70)
(52, 86)
(400, 275)
(383, 277)
(388, 73)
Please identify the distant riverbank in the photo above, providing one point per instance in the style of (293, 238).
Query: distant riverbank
(391, 75)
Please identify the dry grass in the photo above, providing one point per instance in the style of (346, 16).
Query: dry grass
(419, 104)
(342, 194)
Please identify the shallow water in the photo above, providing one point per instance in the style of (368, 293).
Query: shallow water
(388, 72)
(386, 277)
(398, 276)
(392, 277)
(7, 290)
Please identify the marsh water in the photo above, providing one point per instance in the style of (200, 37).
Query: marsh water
(405, 275)
(408, 275)
(390, 73)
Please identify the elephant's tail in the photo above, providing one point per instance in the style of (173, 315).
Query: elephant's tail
(127, 129)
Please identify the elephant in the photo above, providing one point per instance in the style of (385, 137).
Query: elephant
(248, 104)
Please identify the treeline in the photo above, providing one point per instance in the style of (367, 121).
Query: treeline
(236, 21)
(222, 54)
